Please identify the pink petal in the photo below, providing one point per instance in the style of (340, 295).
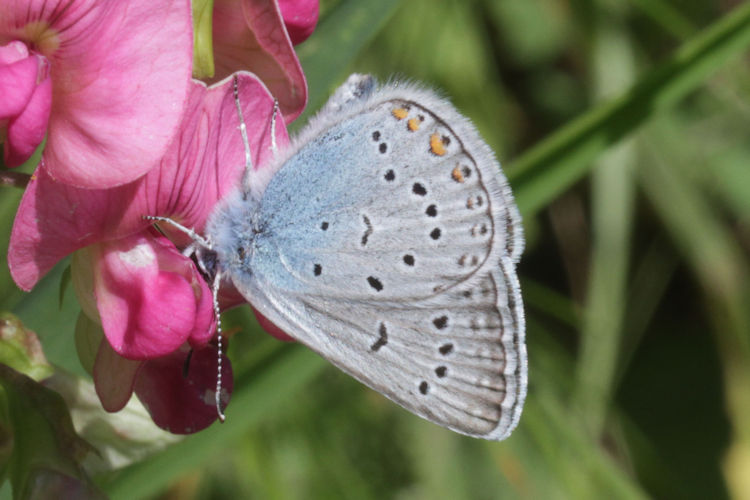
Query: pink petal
(114, 377)
(300, 18)
(12, 52)
(271, 328)
(17, 83)
(179, 389)
(210, 163)
(250, 34)
(148, 295)
(54, 220)
(26, 131)
(120, 73)
(204, 321)
(204, 162)
(229, 297)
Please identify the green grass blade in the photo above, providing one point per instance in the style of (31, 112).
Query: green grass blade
(550, 168)
(666, 16)
(336, 42)
(612, 212)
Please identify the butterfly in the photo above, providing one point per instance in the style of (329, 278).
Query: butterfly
(387, 242)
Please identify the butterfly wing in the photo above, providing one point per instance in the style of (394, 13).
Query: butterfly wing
(387, 242)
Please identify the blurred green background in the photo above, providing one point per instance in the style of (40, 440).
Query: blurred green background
(624, 128)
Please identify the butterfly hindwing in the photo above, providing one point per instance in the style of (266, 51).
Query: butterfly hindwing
(441, 358)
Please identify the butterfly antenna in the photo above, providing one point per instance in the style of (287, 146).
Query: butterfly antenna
(243, 132)
(215, 297)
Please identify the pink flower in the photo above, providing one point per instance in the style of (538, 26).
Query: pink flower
(125, 139)
(106, 79)
(151, 300)
(250, 34)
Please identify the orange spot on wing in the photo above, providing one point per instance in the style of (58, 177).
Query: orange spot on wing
(400, 113)
(436, 144)
(413, 124)
(457, 175)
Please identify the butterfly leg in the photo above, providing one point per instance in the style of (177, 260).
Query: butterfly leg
(197, 238)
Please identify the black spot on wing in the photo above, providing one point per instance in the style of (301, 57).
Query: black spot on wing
(375, 283)
(368, 229)
(382, 339)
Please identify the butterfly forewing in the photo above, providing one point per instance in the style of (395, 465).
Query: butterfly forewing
(391, 191)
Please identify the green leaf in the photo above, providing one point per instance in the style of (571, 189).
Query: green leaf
(64, 282)
(612, 208)
(46, 454)
(54, 325)
(88, 336)
(20, 348)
